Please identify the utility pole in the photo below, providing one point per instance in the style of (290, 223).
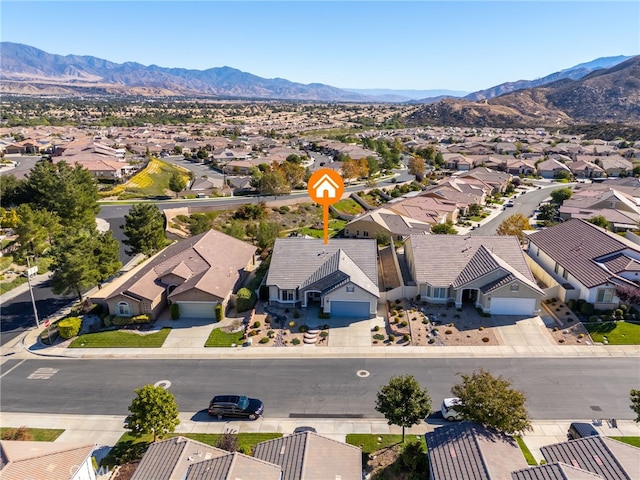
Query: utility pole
(32, 271)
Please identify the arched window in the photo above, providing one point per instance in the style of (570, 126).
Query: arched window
(123, 309)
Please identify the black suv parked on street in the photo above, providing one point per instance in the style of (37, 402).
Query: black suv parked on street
(235, 406)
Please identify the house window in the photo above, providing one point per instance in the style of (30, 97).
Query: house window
(365, 233)
(288, 295)
(565, 274)
(439, 292)
(605, 295)
(515, 287)
(556, 268)
(123, 309)
(357, 233)
(351, 289)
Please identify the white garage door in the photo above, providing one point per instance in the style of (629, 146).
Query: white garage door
(512, 306)
(350, 309)
(197, 310)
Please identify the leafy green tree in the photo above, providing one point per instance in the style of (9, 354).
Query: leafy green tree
(373, 164)
(491, 402)
(12, 190)
(547, 212)
(82, 260)
(444, 229)
(635, 403)
(403, 402)
(234, 229)
(70, 192)
(600, 221)
(559, 195)
(514, 225)
(198, 223)
(475, 209)
(267, 234)
(144, 229)
(294, 174)
(274, 183)
(177, 183)
(153, 411)
(36, 230)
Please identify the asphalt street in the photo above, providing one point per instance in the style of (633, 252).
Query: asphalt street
(557, 388)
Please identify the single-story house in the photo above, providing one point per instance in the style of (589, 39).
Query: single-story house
(385, 222)
(601, 456)
(308, 455)
(180, 458)
(341, 276)
(587, 261)
(197, 274)
(489, 272)
(21, 460)
(621, 210)
(469, 451)
(551, 168)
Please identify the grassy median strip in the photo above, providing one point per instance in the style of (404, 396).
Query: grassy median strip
(616, 333)
(121, 339)
(218, 338)
(30, 434)
(528, 456)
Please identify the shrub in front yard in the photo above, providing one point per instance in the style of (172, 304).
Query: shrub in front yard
(144, 318)
(174, 309)
(69, 327)
(264, 340)
(296, 341)
(586, 309)
(303, 328)
(245, 300)
(219, 312)
(378, 336)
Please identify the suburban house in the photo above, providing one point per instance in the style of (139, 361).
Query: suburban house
(587, 262)
(601, 456)
(488, 272)
(341, 276)
(20, 460)
(551, 168)
(621, 210)
(585, 168)
(197, 274)
(469, 451)
(430, 210)
(180, 458)
(308, 455)
(385, 222)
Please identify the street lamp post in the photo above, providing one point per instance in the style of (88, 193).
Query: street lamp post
(32, 271)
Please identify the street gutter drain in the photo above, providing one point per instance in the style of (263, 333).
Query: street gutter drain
(363, 373)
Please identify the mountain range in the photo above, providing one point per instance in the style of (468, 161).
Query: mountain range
(605, 89)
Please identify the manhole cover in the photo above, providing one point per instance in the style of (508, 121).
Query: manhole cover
(363, 373)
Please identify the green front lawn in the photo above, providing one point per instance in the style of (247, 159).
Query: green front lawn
(369, 443)
(218, 338)
(34, 434)
(121, 339)
(348, 206)
(635, 441)
(131, 448)
(616, 333)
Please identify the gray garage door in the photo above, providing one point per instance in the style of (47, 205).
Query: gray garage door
(350, 309)
(197, 310)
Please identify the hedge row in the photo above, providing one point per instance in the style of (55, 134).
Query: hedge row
(117, 321)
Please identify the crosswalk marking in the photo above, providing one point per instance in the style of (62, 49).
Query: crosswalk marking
(43, 373)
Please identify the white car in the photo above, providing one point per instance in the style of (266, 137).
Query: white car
(448, 410)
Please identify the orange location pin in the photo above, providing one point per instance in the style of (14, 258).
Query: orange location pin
(325, 187)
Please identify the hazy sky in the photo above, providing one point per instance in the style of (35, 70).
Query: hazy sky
(421, 45)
